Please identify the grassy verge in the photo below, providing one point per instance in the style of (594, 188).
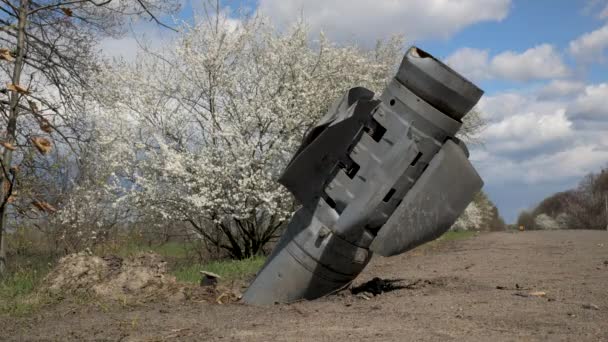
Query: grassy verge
(170, 250)
(18, 294)
(228, 269)
(187, 271)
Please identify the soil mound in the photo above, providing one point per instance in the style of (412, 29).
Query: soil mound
(112, 277)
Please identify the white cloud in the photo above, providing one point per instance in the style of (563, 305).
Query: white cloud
(549, 167)
(592, 104)
(504, 105)
(531, 139)
(590, 46)
(539, 62)
(146, 33)
(560, 88)
(529, 130)
(367, 21)
(472, 63)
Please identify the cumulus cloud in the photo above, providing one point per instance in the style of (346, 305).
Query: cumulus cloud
(527, 130)
(574, 162)
(560, 88)
(539, 62)
(472, 63)
(520, 125)
(590, 46)
(367, 21)
(536, 140)
(592, 104)
(503, 105)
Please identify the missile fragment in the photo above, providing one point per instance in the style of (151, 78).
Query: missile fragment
(374, 175)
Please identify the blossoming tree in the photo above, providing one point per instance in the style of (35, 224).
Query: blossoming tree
(201, 129)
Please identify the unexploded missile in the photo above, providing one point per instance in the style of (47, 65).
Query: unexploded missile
(374, 175)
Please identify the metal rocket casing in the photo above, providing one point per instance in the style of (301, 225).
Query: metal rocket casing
(374, 175)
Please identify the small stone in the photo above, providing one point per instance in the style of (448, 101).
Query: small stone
(591, 306)
(364, 295)
(209, 278)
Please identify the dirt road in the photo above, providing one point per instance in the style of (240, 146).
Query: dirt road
(479, 289)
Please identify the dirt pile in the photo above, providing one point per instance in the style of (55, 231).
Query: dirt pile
(464, 290)
(112, 277)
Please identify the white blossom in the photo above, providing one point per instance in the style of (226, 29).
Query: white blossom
(201, 130)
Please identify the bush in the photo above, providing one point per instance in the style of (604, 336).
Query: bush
(480, 215)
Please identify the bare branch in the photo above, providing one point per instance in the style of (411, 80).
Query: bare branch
(153, 17)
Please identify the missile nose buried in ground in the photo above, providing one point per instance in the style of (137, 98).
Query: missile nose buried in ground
(373, 176)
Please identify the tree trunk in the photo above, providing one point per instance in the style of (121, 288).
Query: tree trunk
(11, 129)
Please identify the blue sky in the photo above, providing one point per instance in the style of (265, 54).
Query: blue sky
(542, 63)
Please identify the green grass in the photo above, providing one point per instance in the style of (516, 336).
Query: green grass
(18, 294)
(228, 269)
(189, 272)
(172, 250)
(184, 270)
(176, 250)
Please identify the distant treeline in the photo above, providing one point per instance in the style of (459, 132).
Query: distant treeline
(584, 207)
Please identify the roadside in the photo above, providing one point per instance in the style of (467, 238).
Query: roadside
(541, 285)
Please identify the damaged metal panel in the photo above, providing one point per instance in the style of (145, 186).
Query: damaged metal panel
(374, 175)
(429, 209)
